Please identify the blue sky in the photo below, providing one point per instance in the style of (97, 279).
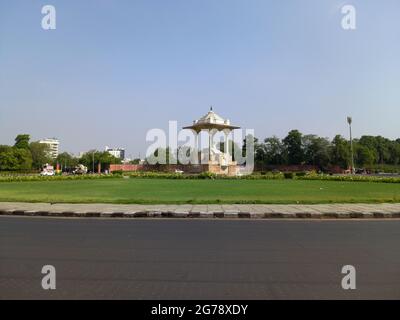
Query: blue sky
(112, 70)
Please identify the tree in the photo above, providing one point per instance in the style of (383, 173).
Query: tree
(364, 155)
(4, 148)
(250, 138)
(22, 141)
(8, 161)
(394, 151)
(40, 154)
(103, 158)
(248, 152)
(293, 144)
(135, 161)
(24, 159)
(275, 151)
(370, 143)
(382, 147)
(340, 152)
(13, 158)
(66, 160)
(316, 151)
(260, 154)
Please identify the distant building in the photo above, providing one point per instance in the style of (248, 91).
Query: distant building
(53, 145)
(116, 152)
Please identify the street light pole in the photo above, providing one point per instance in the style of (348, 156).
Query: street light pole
(349, 121)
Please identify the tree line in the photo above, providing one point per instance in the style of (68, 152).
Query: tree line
(295, 149)
(31, 156)
(300, 149)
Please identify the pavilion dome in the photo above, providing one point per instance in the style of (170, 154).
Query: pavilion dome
(212, 118)
(211, 121)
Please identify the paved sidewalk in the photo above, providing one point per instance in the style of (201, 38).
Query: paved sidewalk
(257, 211)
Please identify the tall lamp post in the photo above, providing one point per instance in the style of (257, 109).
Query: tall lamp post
(349, 121)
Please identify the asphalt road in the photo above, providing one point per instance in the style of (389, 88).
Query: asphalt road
(198, 259)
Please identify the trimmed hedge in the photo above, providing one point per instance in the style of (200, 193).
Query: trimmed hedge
(267, 176)
(289, 175)
(204, 175)
(22, 178)
(351, 178)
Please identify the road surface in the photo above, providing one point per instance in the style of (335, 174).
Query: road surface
(198, 259)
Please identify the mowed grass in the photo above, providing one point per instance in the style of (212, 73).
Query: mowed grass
(167, 191)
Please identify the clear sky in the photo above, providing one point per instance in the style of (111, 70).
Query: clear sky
(112, 70)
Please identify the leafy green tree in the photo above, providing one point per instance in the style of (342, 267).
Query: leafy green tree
(135, 161)
(368, 142)
(4, 148)
(66, 161)
(382, 147)
(394, 151)
(40, 154)
(17, 157)
(103, 158)
(22, 141)
(364, 156)
(275, 151)
(14, 159)
(340, 152)
(379, 146)
(260, 154)
(294, 147)
(252, 139)
(8, 160)
(317, 151)
(24, 159)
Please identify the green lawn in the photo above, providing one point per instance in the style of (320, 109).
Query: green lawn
(198, 191)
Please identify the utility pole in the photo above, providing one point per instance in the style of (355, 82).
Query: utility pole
(349, 121)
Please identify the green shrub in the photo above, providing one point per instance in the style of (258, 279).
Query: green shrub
(204, 175)
(350, 178)
(152, 174)
(288, 175)
(207, 175)
(21, 178)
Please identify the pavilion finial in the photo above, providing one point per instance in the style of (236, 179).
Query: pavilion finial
(211, 108)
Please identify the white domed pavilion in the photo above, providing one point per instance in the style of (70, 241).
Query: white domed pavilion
(219, 162)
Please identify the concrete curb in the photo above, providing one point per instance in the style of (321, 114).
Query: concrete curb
(203, 215)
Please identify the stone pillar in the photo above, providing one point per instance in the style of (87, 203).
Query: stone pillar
(211, 133)
(195, 157)
(209, 144)
(226, 147)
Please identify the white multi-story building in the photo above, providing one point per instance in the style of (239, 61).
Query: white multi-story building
(116, 152)
(53, 145)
